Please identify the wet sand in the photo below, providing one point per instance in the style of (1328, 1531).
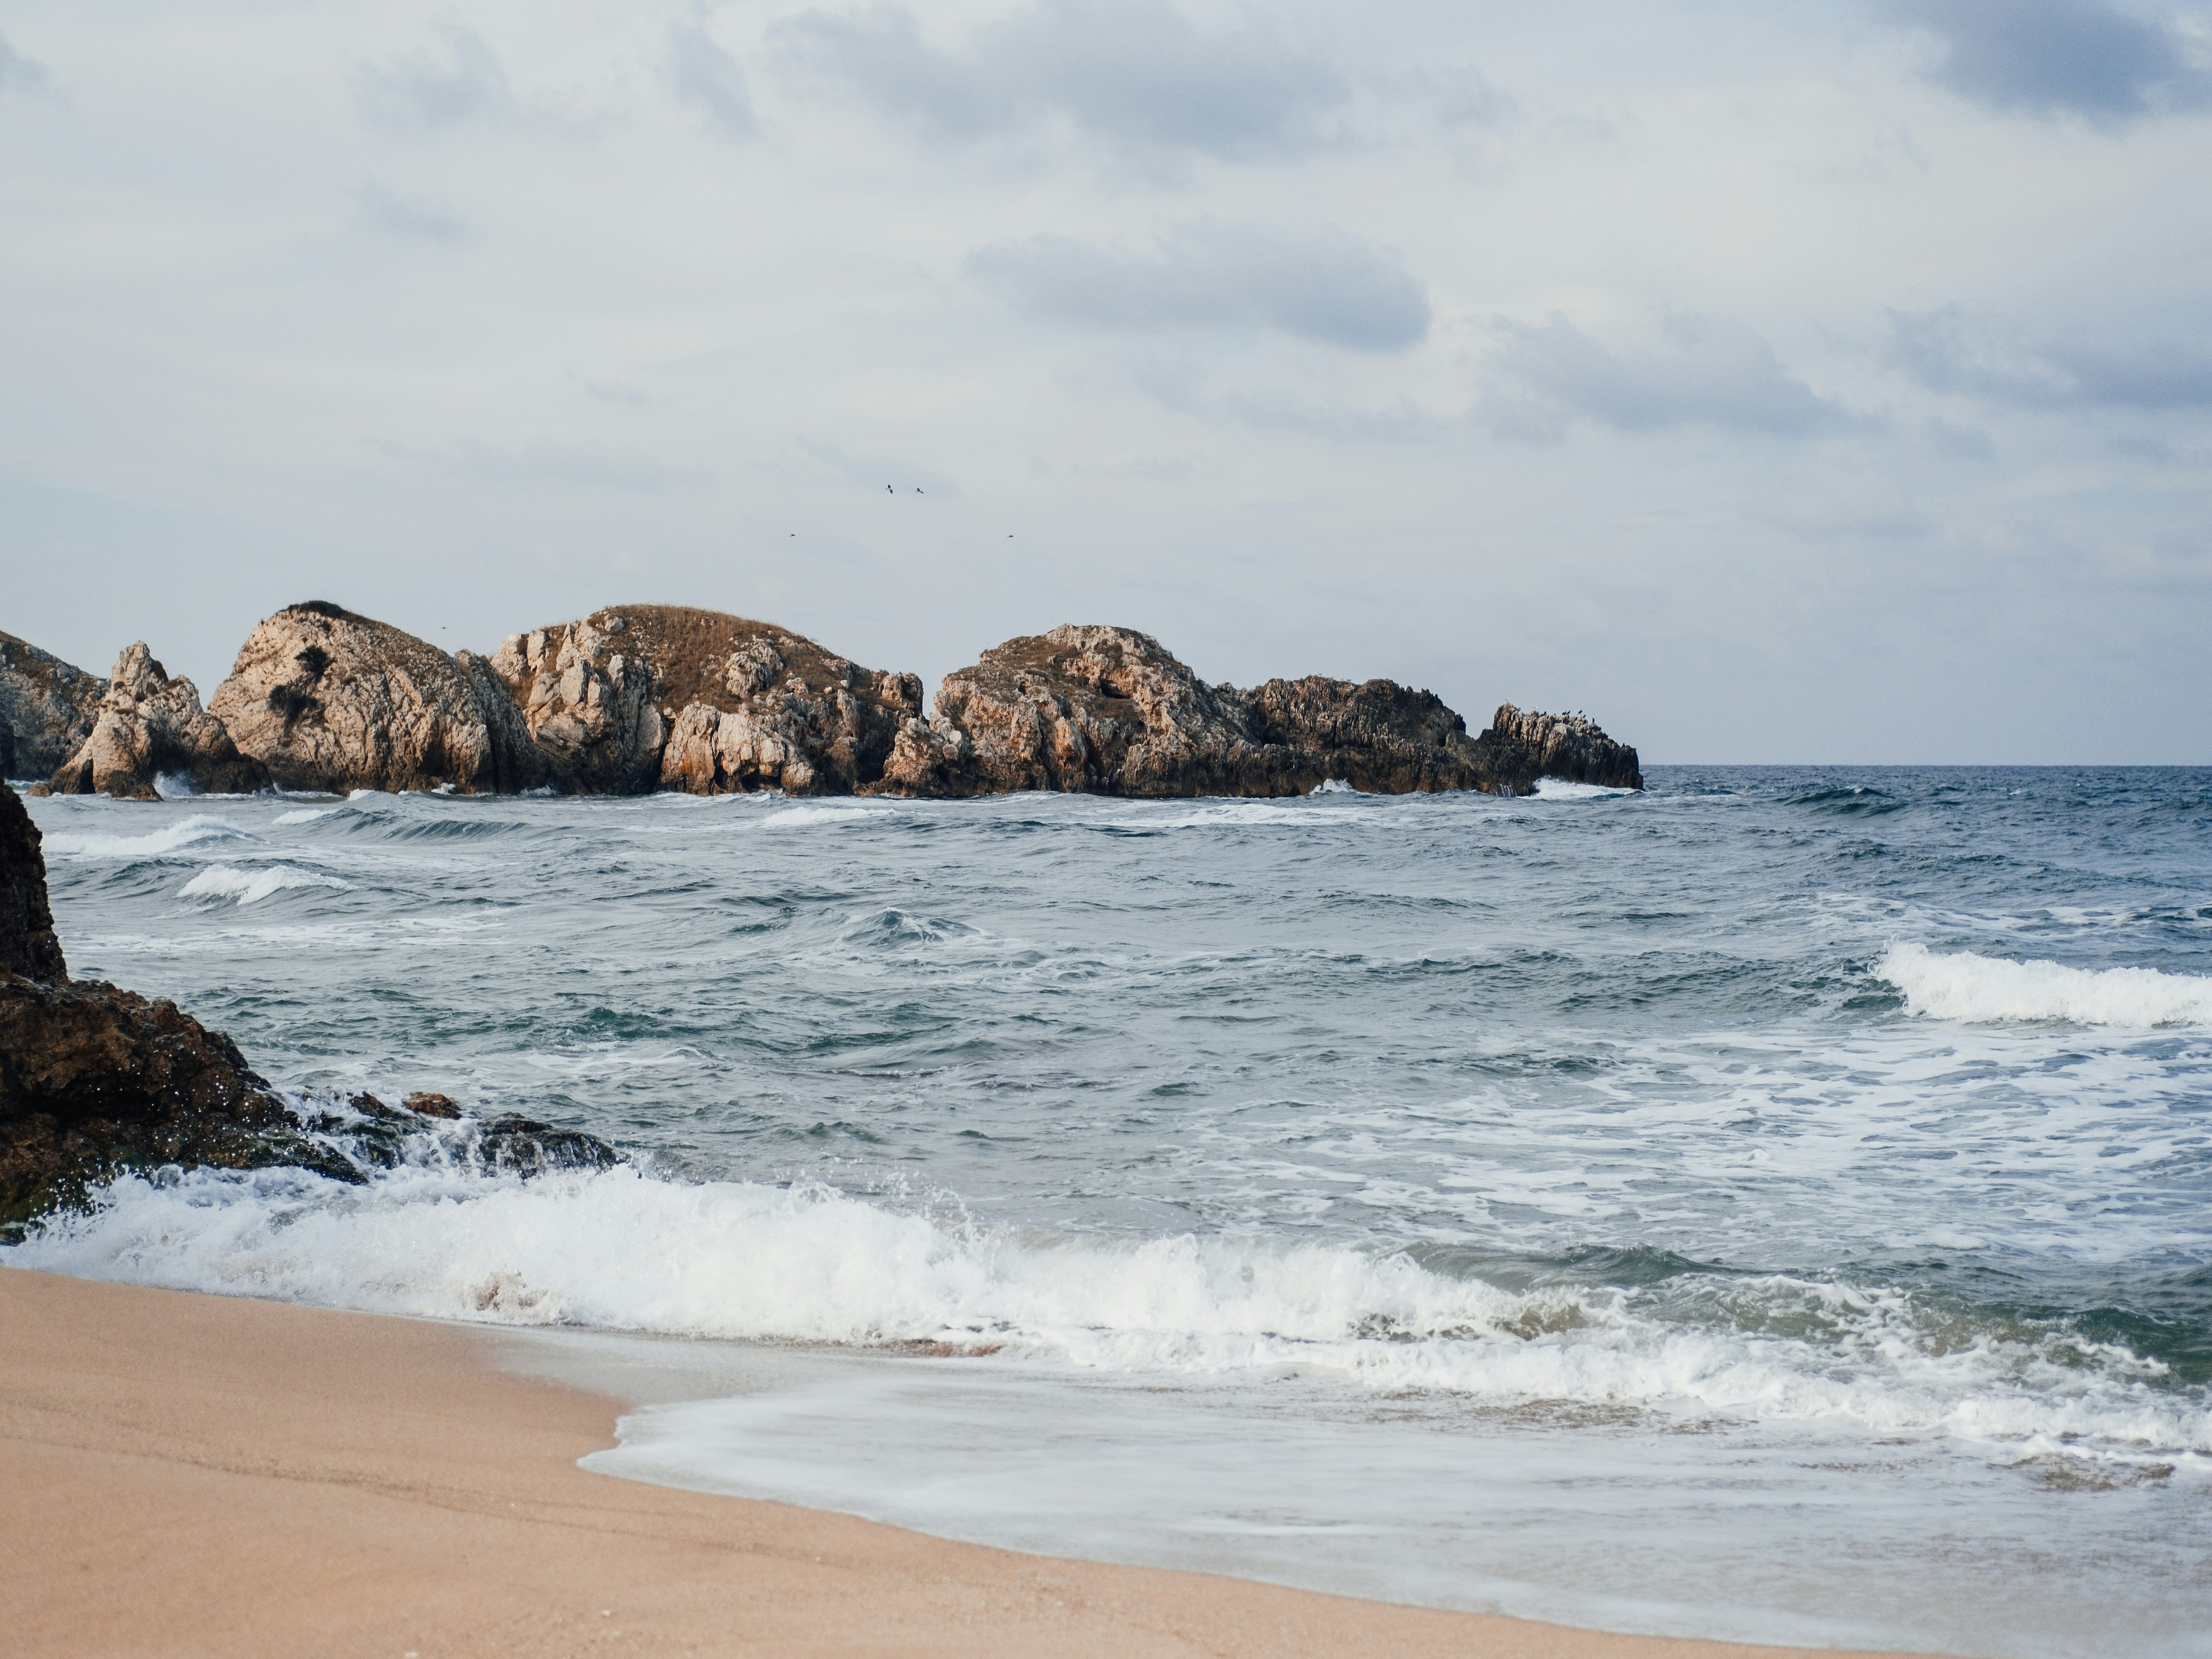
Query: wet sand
(190, 1474)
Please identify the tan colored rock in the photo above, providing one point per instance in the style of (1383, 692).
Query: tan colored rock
(47, 709)
(1112, 711)
(152, 726)
(331, 700)
(639, 696)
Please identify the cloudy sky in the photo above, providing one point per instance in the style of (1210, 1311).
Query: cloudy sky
(1823, 381)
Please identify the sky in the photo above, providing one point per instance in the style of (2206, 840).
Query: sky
(1822, 382)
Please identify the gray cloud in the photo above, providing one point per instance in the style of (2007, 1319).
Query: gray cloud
(1708, 372)
(704, 76)
(431, 90)
(17, 72)
(1325, 286)
(1139, 74)
(544, 461)
(2052, 58)
(410, 217)
(1947, 350)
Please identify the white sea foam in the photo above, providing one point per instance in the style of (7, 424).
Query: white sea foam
(305, 814)
(622, 1250)
(1963, 985)
(221, 881)
(1562, 789)
(197, 831)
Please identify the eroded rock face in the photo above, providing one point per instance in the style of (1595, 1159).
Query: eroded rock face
(47, 709)
(150, 726)
(1569, 746)
(1111, 711)
(327, 700)
(653, 696)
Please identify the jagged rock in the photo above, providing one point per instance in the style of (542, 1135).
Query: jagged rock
(150, 726)
(1569, 746)
(640, 697)
(330, 701)
(95, 1081)
(27, 945)
(47, 709)
(1111, 711)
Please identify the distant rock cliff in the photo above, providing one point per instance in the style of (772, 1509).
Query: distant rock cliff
(665, 696)
(1112, 711)
(151, 727)
(47, 709)
(327, 700)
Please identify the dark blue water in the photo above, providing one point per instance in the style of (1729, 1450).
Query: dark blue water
(1777, 1178)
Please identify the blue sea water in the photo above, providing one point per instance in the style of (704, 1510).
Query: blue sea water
(1774, 1205)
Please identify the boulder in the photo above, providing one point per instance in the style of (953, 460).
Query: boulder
(96, 1081)
(151, 727)
(330, 701)
(47, 709)
(653, 696)
(1379, 736)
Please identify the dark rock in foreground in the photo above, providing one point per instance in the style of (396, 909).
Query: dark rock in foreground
(152, 726)
(1111, 711)
(96, 1081)
(664, 697)
(47, 709)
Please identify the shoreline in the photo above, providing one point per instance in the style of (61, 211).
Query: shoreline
(192, 1474)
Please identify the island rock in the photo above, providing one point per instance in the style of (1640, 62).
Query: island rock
(47, 709)
(330, 701)
(655, 696)
(152, 726)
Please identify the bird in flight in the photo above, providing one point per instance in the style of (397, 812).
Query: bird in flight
(888, 490)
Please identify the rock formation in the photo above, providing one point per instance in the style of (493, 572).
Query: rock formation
(642, 696)
(151, 727)
(1111, 711)
(330, 701)
(96, 1081)
(47, 709)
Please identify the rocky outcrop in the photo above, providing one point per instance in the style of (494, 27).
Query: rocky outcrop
(655, 695)
(96, 1081)
(151, 727)
(1569, 746)
(1112, 711)
(47, 709)
(28, 948)
(330, 701)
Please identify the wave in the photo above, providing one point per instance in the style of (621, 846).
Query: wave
(1987, 990)
(1565, 789)
(195, 831)
(223, 881)
(623, 1250)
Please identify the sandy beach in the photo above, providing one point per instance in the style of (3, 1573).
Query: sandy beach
(195, 1474)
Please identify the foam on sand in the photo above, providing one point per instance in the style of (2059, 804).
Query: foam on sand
(1980, 989)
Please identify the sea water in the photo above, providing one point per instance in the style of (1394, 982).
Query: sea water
(1775, 1205)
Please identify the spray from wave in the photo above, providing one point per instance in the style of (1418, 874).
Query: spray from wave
(1980, 989)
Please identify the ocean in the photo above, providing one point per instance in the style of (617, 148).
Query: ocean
(1776, 1205)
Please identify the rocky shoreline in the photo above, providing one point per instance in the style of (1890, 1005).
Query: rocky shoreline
(637, 698)
(96, 1081)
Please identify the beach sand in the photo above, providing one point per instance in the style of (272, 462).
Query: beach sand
(193, 1475)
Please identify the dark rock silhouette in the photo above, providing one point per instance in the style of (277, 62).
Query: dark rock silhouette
(47, 709)
(95, 1081)
(151, 727)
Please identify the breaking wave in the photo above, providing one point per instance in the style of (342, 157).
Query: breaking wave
(1980, 989)
(622, 1249)
(223, 881)
(198, 831)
